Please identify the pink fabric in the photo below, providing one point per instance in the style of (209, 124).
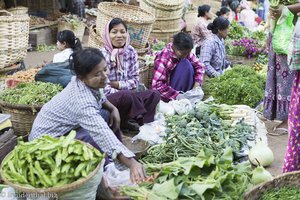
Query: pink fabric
(116, 53)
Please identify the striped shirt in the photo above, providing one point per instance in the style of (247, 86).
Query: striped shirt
(77, 105)
(128, 78)
(200, 32)
(164, 64)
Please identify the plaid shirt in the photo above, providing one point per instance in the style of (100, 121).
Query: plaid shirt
(200, 32)
(78, 105)
(213, 55)
(164, 64)
(128, 78)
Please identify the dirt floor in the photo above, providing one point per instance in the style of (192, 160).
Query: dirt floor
(276, 143)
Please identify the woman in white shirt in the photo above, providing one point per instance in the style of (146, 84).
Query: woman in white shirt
(67, 43)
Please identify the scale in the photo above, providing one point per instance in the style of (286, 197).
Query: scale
(5, 123)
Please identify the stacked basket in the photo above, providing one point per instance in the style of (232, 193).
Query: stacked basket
(168, 15)
(13, 38)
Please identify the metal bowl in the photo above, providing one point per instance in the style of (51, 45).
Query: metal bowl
(138, 147)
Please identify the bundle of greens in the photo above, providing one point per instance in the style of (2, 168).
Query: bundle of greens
(239, 86)
(204, 128)
(49, 162)
(291, 193)
(201, 177)
(32, 93)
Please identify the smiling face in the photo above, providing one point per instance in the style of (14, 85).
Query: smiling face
(97, 78)
(118, 36)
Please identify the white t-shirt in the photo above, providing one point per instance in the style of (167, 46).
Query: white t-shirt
(62, 56)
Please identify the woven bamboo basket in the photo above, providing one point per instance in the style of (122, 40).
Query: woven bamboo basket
(22, 116)
(54, 190)
(14, 34)
(240, 60)
(146, 73)
(19, 10)
(163, 9)
(95, 40)
(79, 31)
(139, 22)
(191, 19)
(169, 23)
(290, 179)
(164, 35)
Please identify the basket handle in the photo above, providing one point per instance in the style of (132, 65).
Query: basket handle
(6, 12)
(119, 1)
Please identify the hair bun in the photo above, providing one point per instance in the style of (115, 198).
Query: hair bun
(210, 26)
(218, 13)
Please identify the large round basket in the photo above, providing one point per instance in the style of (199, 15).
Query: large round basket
(19, 10)
(95, 40)
(22, 116)
(78, 31)
(240, 60)
(14, 34)
(146, 74)
(139, 21)
(55, 190)
(164, 35)
(290, 179)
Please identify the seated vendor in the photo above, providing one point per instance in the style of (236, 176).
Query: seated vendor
(176, 69)
(82, 104)
(124, 79)
(213, 53)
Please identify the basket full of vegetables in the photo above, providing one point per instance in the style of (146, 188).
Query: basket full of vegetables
(63, 167)
(285, 186)
(24, 102)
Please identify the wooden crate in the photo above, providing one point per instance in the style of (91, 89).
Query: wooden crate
(45, 35)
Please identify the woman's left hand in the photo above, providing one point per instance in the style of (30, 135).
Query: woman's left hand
(196, 84)
(115, 120)
(114, 84)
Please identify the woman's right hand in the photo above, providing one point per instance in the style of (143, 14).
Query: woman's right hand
(137, 170)
(275, 13)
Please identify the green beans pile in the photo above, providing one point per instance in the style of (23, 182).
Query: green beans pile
(50, 162)
(33, 93)
(287, 193)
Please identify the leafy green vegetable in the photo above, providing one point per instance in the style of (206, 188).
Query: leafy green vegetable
(239, 86)
(32, 93)
(290, 193)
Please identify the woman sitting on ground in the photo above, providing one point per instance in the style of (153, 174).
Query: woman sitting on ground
(67, 43)
(176, 69)
(213, 53)
(124, 80)
(81, 104)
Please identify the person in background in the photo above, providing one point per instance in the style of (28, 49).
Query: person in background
(213, 53)
(67, 43)
(247, 15)
(200, 32)
(176, 69)
(235, 10)
(81, 106)
(224, 12)
(124, 81)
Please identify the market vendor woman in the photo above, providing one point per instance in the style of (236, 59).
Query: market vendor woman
(176, 69)
(82, 104)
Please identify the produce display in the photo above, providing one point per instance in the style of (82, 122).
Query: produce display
(45, 47)
(290, 193)
(36, 21)
(260, 175)
(239, 86)
(32, 93)
(199, 177)
(50, 162)
(24, 76)
(74, 20)
(203, 128)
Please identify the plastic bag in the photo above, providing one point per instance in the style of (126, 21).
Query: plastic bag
(182, 106)
(115, 177)
(151, 132)
(8, 193)
(294, 49)
(194, 96)
(165, 108)
(283, 32)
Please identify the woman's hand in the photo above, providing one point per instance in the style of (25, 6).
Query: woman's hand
(115, 84)
(137, 172)
(275, 13)
(196, 84)
(115, 120)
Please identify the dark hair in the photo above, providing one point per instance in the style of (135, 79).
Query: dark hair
(114, 22)
(234, 5)
(84, 61)
(183, 41)
(202, 10)
(69, 38)
(220, 23)
(223, 11)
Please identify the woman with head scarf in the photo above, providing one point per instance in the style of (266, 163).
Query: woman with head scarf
(247, 15)
(235, 10)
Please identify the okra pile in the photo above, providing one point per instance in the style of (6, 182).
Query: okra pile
(50, 162)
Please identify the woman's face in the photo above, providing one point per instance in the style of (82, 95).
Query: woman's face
(97, 78)
(118, 36)
(209, 15)
(181, 53)
(61, 46)
(226, 15)
(224, 33)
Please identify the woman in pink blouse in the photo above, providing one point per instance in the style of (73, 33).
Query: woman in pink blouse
(200, 32)
(124, 80)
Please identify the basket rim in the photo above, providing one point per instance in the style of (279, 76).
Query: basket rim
(20, 106)
(59, 189)
(170, 3)
(165, 31)
(261, 185)
(126, 6)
